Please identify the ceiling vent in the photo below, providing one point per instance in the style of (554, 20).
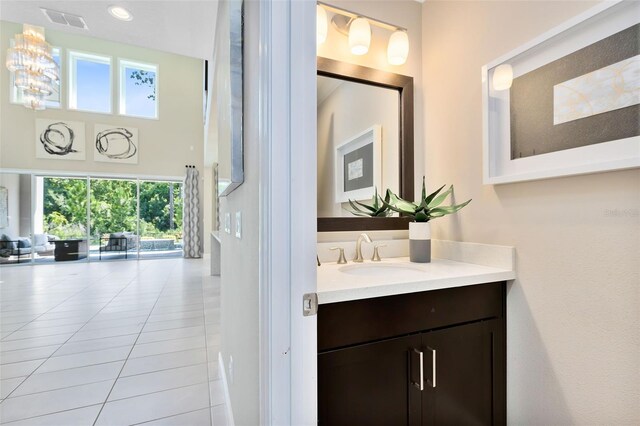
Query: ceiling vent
(66, 19)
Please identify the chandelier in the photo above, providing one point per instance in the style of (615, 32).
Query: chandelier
(30, 59)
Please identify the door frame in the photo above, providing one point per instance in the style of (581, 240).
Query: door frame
(287, 158)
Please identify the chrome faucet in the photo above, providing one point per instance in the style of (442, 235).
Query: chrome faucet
(363, 236)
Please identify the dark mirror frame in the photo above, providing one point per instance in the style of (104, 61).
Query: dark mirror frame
(404, 85)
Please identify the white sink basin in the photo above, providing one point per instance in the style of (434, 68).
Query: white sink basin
(381, 269)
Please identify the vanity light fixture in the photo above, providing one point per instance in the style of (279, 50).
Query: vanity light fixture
(120, 13)
(398, 49)
(502, 77)
(359, 36)
(322, 25)
(358, 29)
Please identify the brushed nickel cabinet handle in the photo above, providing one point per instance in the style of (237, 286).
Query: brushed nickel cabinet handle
(420, 383)
(432, 381)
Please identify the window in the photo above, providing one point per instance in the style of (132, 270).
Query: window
(89, 82)
(138, 94)
(53, 100)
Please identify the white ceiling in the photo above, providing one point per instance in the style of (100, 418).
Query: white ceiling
(184, 27)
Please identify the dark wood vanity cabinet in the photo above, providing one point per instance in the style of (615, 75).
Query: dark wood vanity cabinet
(370, 352)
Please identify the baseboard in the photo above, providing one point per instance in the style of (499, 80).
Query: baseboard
(227, 398)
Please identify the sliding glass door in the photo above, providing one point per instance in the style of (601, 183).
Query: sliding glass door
(160, 219)
(60, 220)
(113, 218)
(55, 218)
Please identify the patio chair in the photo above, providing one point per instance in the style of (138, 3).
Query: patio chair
(118, 242)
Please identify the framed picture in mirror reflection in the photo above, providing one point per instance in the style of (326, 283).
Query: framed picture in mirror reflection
(359, 166)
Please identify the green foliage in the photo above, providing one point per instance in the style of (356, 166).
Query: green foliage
(377, 208)
(155, 206)
(429, 206)
(145, 78)
(113, 208)
(65, 207)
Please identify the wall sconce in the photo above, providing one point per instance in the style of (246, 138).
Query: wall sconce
(358, 29)
(502, 77)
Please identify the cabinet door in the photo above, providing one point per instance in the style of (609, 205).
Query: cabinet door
(465, 381)
(370, 384)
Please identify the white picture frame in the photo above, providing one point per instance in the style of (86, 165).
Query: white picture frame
(115, 144)
(597, 23)
(363, 167)
(60, 140)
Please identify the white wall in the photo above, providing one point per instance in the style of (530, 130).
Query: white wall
(404, 13)
(240, 257)
(166, 144)
(574, 311)
(11, 181)
(348, 111)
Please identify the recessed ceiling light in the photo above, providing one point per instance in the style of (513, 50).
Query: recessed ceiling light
(120, 13)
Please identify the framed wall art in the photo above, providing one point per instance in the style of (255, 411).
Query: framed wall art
(60, 140)
(358, 166)
(116, 144)
(568, 102)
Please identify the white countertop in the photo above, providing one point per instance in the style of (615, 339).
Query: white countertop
(339, 284)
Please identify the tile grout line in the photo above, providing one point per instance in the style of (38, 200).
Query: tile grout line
(50, 356)
(98, 381)
(166, 292)
(206, 349)
(49, 414)
(127, 359)
(55, 306)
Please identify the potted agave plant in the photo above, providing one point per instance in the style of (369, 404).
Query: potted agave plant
(429, 207)
(377, 208)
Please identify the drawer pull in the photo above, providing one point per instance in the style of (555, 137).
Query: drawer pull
(420, 383)
(432, 381)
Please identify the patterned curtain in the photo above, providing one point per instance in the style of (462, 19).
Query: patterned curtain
(191, 213)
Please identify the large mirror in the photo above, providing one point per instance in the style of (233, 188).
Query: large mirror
(228, 102)
(365, 141)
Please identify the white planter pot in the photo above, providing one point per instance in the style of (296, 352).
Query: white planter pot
(420, 242)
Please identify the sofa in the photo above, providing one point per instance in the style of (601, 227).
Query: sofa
(21, 247)
(43, 245)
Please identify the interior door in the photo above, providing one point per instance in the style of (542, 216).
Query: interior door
(368, 384)
(459, 374)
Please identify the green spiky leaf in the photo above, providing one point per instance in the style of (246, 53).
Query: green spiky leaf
(435, 202)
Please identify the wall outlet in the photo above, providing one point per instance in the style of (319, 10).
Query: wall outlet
(238, 225)
(227, 223)
(230, 368)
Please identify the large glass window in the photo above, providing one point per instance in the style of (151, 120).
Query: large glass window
(160, 219)
(89, 82)
(114, 218)
(64, 218)
(138, 89)
(60, 222)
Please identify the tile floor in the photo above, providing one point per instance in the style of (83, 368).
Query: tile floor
(113, 343)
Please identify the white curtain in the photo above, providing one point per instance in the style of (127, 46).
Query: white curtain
(191, 213)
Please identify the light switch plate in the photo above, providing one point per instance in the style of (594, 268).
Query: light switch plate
(238, 225)
(227, 223)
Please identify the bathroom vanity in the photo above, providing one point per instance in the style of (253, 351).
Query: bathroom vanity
(402, 343)
(399, 343)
